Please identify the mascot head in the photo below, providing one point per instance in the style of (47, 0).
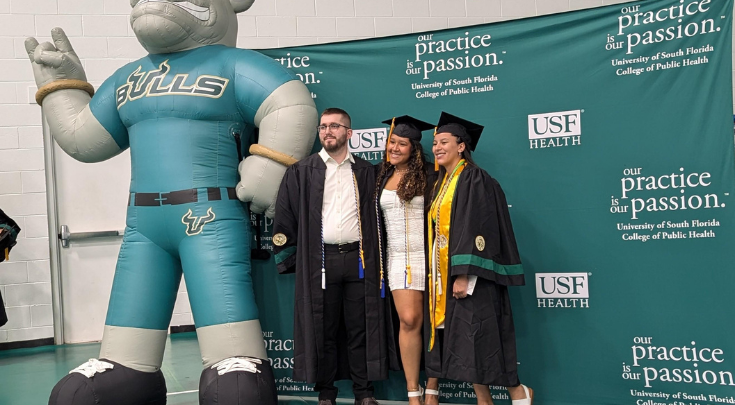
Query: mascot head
(164, 26)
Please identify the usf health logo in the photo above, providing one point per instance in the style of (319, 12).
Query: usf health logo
(555, 129)
(368, 144)
(195, 225)
(562, 290)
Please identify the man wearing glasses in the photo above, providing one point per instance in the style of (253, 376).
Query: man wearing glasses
(324, 231)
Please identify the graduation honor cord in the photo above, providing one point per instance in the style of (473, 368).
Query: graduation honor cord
(380, 245)
(407, 274)
(361, 258)
(439, 223)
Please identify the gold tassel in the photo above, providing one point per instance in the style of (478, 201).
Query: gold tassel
(408, 274)
(387, 144)
(7, 253)
(436, 164)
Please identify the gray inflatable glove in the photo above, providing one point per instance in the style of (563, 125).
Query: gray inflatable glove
(52, 62)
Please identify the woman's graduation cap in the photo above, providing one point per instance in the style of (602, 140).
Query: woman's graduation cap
(406, 127)
(467, 131)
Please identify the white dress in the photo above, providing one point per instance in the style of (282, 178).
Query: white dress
(395, 214)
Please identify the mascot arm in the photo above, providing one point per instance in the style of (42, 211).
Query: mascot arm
(64, 95)
(287, 120)
(78, 132)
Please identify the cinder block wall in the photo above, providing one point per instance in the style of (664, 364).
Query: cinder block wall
(101, 34)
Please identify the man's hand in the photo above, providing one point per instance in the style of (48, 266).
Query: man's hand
(460, 287)
(52, 62)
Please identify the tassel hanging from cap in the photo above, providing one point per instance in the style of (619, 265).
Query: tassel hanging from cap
(387, 143)
(436, 164)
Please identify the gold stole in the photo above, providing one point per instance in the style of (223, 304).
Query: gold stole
(439, 221)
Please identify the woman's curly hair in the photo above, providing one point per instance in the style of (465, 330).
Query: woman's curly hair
(412, 183)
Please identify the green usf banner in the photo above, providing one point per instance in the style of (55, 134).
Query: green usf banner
(610, 130)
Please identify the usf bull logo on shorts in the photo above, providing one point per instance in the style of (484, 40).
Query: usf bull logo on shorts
(194, 225)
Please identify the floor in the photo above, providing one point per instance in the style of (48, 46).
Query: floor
(28, 375)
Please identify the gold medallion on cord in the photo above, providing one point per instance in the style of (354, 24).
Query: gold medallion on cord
(442, 241)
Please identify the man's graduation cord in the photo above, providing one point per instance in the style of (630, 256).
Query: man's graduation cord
(361, 264)
(324, 270)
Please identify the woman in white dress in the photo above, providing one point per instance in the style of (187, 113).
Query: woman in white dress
(403, 179)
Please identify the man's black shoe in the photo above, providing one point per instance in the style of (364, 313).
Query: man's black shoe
(367, 401)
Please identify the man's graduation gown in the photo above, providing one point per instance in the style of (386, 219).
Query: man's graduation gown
(478, 342)
(299, 218)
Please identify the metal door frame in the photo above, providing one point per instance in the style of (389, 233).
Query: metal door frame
(53, 233)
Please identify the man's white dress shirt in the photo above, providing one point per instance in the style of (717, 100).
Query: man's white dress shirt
(339, 209)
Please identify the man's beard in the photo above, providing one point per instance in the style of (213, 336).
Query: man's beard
(338, 144)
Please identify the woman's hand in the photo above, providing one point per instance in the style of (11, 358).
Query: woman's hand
(460, 287)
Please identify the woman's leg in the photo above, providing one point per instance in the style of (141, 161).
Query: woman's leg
(432, 384)
(517, 393)
(409, 305)
(483, 394)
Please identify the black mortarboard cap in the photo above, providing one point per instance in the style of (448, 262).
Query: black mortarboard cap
(408, 127)
(467, 131)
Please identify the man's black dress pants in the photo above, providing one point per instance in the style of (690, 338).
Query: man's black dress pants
(344, 301)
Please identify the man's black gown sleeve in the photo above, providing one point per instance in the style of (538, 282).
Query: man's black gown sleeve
(286, 222)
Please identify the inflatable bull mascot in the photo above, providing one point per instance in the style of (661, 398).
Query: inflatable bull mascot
(183, 111)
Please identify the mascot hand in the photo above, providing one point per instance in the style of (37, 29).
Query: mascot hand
(52, 62)
(260, 179)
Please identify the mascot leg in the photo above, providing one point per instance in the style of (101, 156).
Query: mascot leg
(217, 272)
(142, 300)
(244, 375)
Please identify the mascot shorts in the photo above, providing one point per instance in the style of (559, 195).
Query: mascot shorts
(203, 233)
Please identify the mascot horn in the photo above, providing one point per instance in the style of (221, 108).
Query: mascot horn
(182, 110)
